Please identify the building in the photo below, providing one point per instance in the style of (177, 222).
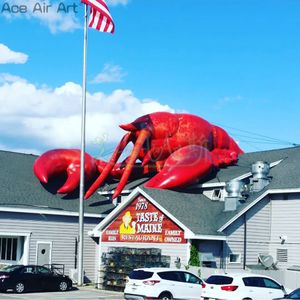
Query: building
(243, 215)
(38, 226)
(236, 218)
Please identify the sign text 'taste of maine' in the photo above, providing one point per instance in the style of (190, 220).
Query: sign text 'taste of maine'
(142, 222)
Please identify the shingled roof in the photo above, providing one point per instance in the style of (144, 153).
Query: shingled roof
(205, 217)
(19, 188)
(285, 175)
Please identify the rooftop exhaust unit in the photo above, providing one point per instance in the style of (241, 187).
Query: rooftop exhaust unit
(260, 179)
(234, 195)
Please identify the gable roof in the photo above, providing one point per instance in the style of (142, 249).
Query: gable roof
(205, 217)
(21, 191)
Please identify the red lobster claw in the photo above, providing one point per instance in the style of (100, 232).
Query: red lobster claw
(60, 161)
(183, 167)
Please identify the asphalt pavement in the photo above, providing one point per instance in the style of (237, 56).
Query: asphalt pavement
(82, 293)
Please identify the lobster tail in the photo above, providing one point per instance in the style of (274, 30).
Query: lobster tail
(221, 140)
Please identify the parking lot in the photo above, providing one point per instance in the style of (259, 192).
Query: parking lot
(84, 293)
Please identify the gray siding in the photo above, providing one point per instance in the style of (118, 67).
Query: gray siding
(235, 242)
(61, 231)
(286, 222)
(258, 231)
(258, 226)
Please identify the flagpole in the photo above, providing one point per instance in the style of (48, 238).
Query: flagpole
(83, 121)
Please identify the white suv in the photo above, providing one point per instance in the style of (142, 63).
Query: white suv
(244, 286)
(162, 283)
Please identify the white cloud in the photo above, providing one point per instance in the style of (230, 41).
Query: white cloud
(52, 117)
(110, 73)
(8, 56)
(227, 100)
(117, 2)
(58, 16)
(55, 15)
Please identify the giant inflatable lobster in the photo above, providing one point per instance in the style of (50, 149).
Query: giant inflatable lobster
(178, 149)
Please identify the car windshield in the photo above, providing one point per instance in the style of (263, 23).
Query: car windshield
(140, 274)
(9, 269)
(218, 279)
(294, 295)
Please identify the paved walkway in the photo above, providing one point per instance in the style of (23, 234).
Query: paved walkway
(83, 293)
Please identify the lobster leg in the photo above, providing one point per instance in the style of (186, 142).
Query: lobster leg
(110, 165)
(185, 166)
(143, 135)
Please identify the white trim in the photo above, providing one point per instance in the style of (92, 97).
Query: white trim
(212, 185)
(112, 192)
(246, 175)
(188, 251)
(24, 259)
(96, 232)
(271, 191)
(235, 262)
(49, 212)
(208, 237)
(36, 251)
(11, 233)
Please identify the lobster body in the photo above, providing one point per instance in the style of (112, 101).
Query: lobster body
(180, 148)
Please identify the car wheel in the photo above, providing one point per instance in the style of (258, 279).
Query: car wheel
(247, 299)
(166, 296)
(19, 287)
(63, 286)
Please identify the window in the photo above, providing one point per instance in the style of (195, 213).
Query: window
(217, 194)
(219, 279)
(261, 282)
(28, 270)
(295, 294)
(234, 258)
(42, 270)
(271, 284)
(190, 278)
(8, 248)
(172, 275)
(254, 281)
(9, 269)
(141, 275)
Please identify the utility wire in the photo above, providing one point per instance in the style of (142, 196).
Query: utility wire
(267, 138)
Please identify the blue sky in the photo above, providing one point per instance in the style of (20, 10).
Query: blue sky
(234, 63)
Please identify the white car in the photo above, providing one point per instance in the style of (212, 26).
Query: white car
(244, 286)
(162, 283)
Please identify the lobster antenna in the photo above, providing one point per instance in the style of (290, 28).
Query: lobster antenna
(107, 169)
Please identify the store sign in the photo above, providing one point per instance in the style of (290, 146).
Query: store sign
(142, 222)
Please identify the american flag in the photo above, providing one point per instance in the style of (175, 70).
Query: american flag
(100, 18)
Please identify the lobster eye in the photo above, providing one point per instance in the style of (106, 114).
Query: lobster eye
(143, 125)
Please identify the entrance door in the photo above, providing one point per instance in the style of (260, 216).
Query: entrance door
(43, 253)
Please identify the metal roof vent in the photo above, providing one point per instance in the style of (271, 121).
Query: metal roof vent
(260, 179)
(234, 196)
